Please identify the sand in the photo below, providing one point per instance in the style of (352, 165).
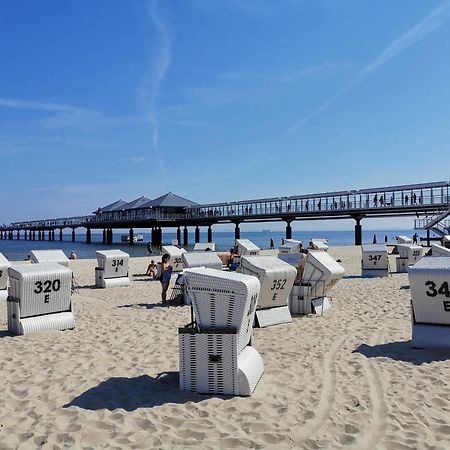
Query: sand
(348, 379)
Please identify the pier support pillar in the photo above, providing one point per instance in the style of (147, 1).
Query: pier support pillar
(160, 233)
(131, 236)
(179, 235)
(60, 234)
(53, 235)
(428, 238)
(104, 236)
(34, 235)
(18, 235)
(40, 235)
(237, 232)
(185, 236)
(197, 234)
(358, 232)
(210, 233)
(288, 230)
(73, 234)
(110, 236)
(88, 236)
(25, 235)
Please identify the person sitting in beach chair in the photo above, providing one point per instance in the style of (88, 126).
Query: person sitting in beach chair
(152, 269)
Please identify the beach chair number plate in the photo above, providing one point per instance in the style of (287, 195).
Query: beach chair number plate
(117, 263)
(278, 284)
(374, 257)
(46, 287)
(443, 290)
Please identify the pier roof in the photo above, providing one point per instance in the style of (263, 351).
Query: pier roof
(112, 206)
(169, 200)
(137, 203)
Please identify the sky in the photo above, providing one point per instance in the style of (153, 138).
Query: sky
(218, 100)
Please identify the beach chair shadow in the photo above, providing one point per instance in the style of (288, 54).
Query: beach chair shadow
(134, 393)
(4, 333)
(402, 351)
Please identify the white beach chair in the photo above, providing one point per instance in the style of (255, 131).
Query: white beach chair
(201, 259)
(319, 244)
(40, 298)
(112, 269)
(290, 246)
(439, 250)
(45, 256)
(175, 256)
(429, 280)
(320, 273)
(446, 241)
(277, 278)
(404, 239)
(204, 246)
(4, 266)
(215, 352)
(247, 247)
(408, 255)
(374, 262)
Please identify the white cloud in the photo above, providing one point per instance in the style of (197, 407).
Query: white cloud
(151, 86)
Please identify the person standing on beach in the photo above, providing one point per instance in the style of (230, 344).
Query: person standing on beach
(166, 273)
(272, 244)
(149, 247)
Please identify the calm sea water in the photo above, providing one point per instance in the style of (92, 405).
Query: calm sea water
(18, 250)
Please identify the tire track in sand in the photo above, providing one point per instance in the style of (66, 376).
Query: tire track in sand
(377, 424)
(327, 396)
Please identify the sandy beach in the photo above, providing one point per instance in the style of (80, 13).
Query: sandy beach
(348, 379)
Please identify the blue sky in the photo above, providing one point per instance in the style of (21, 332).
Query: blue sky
(218, 100)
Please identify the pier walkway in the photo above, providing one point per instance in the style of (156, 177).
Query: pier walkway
(420, 200)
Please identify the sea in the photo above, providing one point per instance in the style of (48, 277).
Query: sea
(16, 250)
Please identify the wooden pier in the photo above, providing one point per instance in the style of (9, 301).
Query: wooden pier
(171, 211)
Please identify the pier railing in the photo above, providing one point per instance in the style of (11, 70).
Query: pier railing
(394, 200)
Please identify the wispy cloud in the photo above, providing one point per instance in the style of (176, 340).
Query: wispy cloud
(137, 159)
(37, 105)
(250, 8)
(153, 81)
(430, 23)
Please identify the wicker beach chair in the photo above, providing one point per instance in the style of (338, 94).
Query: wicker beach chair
(408, 255)
(4, 266)
(204, 246)
(429, 279)
(375, 261)
(215, 352)
(45, 256)
(201, 259)
(175, 256)
(318, 275)
(112, 269)
(40, 298)
(277, 278)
